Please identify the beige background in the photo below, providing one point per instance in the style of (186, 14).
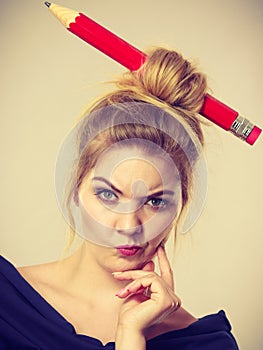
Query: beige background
(48, 76)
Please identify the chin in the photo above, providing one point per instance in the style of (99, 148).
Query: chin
(122, 264)
(133, 263)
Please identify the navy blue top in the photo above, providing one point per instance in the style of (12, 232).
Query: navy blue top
(28, 321)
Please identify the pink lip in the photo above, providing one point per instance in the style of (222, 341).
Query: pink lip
(128, 250)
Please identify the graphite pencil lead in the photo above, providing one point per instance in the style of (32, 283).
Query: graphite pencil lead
(47, 4)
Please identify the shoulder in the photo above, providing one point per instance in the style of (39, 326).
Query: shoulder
(37, 274)
(43, 278)
(25, 317)
(24, 278)
(28, 289)
(46, 279)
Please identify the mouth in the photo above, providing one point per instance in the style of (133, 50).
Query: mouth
(128, 250)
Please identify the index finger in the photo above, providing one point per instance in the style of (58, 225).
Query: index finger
(165, 267)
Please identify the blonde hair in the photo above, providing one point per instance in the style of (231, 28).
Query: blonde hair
(166, 80)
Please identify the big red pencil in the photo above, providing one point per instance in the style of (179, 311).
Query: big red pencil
(132, 58)
(99, 37)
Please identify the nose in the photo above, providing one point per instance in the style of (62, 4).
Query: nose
(129, 224)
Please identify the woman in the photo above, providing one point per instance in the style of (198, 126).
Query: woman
(131, 185)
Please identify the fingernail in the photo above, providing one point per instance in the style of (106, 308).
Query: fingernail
(162, 245)
(118, 294)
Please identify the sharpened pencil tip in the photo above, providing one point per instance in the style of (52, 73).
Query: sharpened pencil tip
(47, 4)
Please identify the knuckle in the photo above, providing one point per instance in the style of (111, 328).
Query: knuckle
(171, 304)
(176, 304)
(152, 274)
(167, 304)
(170, 271)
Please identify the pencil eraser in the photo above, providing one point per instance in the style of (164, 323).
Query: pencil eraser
(253, 136)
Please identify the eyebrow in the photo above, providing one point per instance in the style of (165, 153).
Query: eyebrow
(99, 178)
(159, 193)
(162, 193)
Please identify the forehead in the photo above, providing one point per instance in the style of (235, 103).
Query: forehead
(126, 166)
(137, 171)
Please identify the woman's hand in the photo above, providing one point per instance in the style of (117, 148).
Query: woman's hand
(149, 298)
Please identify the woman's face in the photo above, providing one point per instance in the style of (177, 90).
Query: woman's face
(128, 203)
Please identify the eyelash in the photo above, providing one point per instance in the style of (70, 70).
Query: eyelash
(101, 192)
(163, 202)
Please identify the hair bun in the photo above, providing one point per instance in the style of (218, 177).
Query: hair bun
(173, 79)
(167, 76)
(166, 79)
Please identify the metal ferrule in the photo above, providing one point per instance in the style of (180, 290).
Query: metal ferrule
(241, 127)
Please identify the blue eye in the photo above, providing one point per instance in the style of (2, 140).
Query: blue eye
(106, 195)
(157, 203)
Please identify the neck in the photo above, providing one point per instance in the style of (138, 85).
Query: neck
(83, 273)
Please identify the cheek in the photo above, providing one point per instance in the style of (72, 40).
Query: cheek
(97, 211)
(88, 202)
(90, 205)
(95, 226)
(159, 225)
(164, 235)
(155, 243)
